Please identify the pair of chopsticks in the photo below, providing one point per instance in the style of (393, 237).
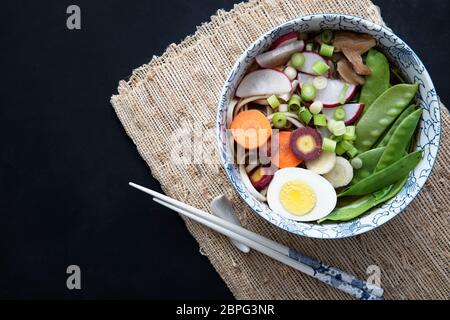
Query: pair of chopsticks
(312, 267)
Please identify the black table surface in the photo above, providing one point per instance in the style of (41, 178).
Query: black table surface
(65, 159)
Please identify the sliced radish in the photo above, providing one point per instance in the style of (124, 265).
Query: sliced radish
(264, 82)
(352, 112)
(310, 59)
(287, 96)
(330, 95)
(279, 56)
(283, 40)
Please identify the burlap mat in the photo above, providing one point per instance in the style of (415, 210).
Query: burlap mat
(183, 86)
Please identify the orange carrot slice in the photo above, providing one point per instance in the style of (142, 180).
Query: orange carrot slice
(283, 156)
(251, 129)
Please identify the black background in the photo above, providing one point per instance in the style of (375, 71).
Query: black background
(65, 159)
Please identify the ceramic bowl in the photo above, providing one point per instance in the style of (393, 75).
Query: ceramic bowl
(427, 139)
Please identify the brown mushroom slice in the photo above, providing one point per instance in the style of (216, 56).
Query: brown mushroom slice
(345, 70)
(353, 45)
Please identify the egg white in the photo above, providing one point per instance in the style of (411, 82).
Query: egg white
(326, 198)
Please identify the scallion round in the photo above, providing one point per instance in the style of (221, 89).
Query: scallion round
(297, 60)
(339, 128)
(320, 67)
(279, 120)
(339, 113)
(327, 36)
(320, 82)
(316, 107)
(326, 50)
(328, 145)
(308, 92)
(273, 101)
(350, 133)
(320, 120)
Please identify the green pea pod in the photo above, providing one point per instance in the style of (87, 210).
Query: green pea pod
(385, 177)
(364, 204)
(369, 161)
(384, 141)
(399, 140)
(378, 81)
(382, 113)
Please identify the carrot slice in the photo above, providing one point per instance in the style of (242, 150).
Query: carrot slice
(283, 156)
(251, 129)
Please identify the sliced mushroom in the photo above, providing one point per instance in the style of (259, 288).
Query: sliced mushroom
(353, 46)
(347, 73)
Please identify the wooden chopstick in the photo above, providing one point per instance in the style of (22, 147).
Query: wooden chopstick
(266, 246)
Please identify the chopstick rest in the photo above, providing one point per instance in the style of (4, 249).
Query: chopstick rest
(222, 208)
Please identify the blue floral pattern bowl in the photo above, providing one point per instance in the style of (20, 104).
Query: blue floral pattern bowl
(428, 137)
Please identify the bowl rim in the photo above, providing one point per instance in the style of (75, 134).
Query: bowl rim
(241, 60)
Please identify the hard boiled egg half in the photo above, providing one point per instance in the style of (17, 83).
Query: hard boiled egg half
(301, 195)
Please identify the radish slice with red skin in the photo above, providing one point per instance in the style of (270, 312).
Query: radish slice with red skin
(310, 59)
(330, 95)
(264, 82)
(352, 112)
(283, 40)
(287, 96)
(279, 56)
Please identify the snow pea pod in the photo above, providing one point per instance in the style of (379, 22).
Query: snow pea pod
(384, 141)
(365, 203)
(369, 160)
(385, 177)
(399, 140)
(382, 113)
(378, 81)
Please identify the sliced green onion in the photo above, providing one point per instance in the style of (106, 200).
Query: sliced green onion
(316, 107)
(352, 152)
(327, 36)
(290, 72)
(336, 138)
(330, 125)
(350, 133)
(356, 163)
(320, 82)
(283, 108)
(308, 92)
(297, 60)
(273, 101)
(339, 113)
(346, 145)
(305, 116)
(340, 149)
(309, 46)
(320, 67)
(288, 125)
(343, 93)
(328, 145)
(294, 103)
(279, 120)
(339, 128)
(326, 50)
(320, 120)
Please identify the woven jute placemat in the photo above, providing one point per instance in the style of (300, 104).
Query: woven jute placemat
(180, 90)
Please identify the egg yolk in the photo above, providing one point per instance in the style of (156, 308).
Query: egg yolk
(297, 198)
